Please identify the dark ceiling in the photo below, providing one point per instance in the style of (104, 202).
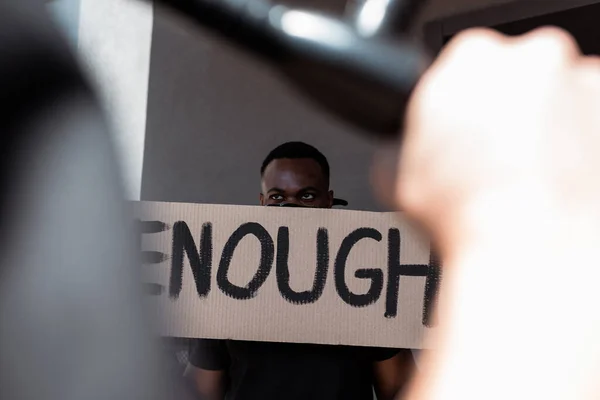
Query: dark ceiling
(330, 6)
(582, 22)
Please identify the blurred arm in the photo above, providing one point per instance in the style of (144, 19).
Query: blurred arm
(500, 164)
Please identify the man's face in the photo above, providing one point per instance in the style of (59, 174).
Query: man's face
(297, 181)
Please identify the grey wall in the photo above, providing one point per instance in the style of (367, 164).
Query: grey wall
(213, 115)
(114, 42)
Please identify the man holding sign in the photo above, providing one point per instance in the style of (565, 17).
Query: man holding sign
(296, 174)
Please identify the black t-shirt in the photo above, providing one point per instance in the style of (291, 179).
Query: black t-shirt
(285, 371)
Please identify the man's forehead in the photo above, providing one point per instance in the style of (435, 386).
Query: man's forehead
(293, 173)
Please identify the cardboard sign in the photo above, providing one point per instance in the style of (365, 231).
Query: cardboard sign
(287, 274)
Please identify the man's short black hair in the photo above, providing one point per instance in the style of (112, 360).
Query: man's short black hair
(296, 150)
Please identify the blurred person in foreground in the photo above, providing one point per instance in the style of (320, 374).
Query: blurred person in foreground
(296, 174)
(500, 163)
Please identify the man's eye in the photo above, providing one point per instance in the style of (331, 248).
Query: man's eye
(308, 196)
(276, 197)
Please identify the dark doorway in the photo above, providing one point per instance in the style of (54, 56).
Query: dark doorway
(582, 22)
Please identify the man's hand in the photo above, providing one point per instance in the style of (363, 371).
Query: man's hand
(393, 375)
(500, 123)
(501, 163)
(207, 385)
